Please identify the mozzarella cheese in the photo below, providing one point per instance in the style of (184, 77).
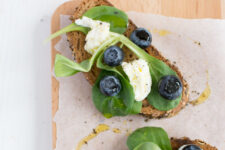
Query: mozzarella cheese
(139, 76)
(99, 33)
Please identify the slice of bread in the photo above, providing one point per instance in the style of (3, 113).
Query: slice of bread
(176, 143)
(77, 42)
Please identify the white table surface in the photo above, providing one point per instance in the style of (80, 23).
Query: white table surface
(25, 83)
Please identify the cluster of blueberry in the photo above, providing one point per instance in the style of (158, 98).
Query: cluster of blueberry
(170, 87)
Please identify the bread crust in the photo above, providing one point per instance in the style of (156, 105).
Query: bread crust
(77, 42)
(176, 143)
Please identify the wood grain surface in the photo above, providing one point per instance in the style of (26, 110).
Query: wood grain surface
(176, 8)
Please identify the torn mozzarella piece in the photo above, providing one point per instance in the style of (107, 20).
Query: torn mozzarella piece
(99, 33)
(139, 75)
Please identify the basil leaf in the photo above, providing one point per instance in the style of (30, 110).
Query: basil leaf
(118, 19)
(66, 67)
(149, 134)
(69, 28)
(118, 105)
(158, 69)
(147, 146)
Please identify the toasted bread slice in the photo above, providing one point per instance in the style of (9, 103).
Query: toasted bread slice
(176, 143)
(77, 42)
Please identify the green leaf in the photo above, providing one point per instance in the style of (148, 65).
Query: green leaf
(66, 67)
(147, 146)
(103, 66)
(69, 28)
(118, 19)
(149, 134)
(119, 105)
(158, 69)
(112, 106)
(136, 108)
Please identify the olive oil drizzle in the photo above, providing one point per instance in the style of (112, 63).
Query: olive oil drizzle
(161, 32)
(116, 130)
(100, 128)
(204, 95)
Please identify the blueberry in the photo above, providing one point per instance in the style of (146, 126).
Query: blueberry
(113, 56)
(110, 86)
(141, 37)
(190, 147)
(170, 87)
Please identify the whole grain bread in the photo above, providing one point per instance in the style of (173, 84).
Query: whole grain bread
(176, 143)
(77, 42)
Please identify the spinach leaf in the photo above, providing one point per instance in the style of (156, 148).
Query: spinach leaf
(66, 67)
(118, 19)
(149, 134)
(69, 28)
(147, 146)
(118, 105)
(158, 69)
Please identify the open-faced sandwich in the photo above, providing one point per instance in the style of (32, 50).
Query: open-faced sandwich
(155, 138)
(128, 75)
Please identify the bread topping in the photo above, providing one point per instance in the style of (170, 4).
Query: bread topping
(98, 34)
(139, 76)
(136, 81)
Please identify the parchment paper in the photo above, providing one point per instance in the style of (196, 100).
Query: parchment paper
(196, 46)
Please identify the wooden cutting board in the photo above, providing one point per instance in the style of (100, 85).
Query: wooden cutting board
(176, 8)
